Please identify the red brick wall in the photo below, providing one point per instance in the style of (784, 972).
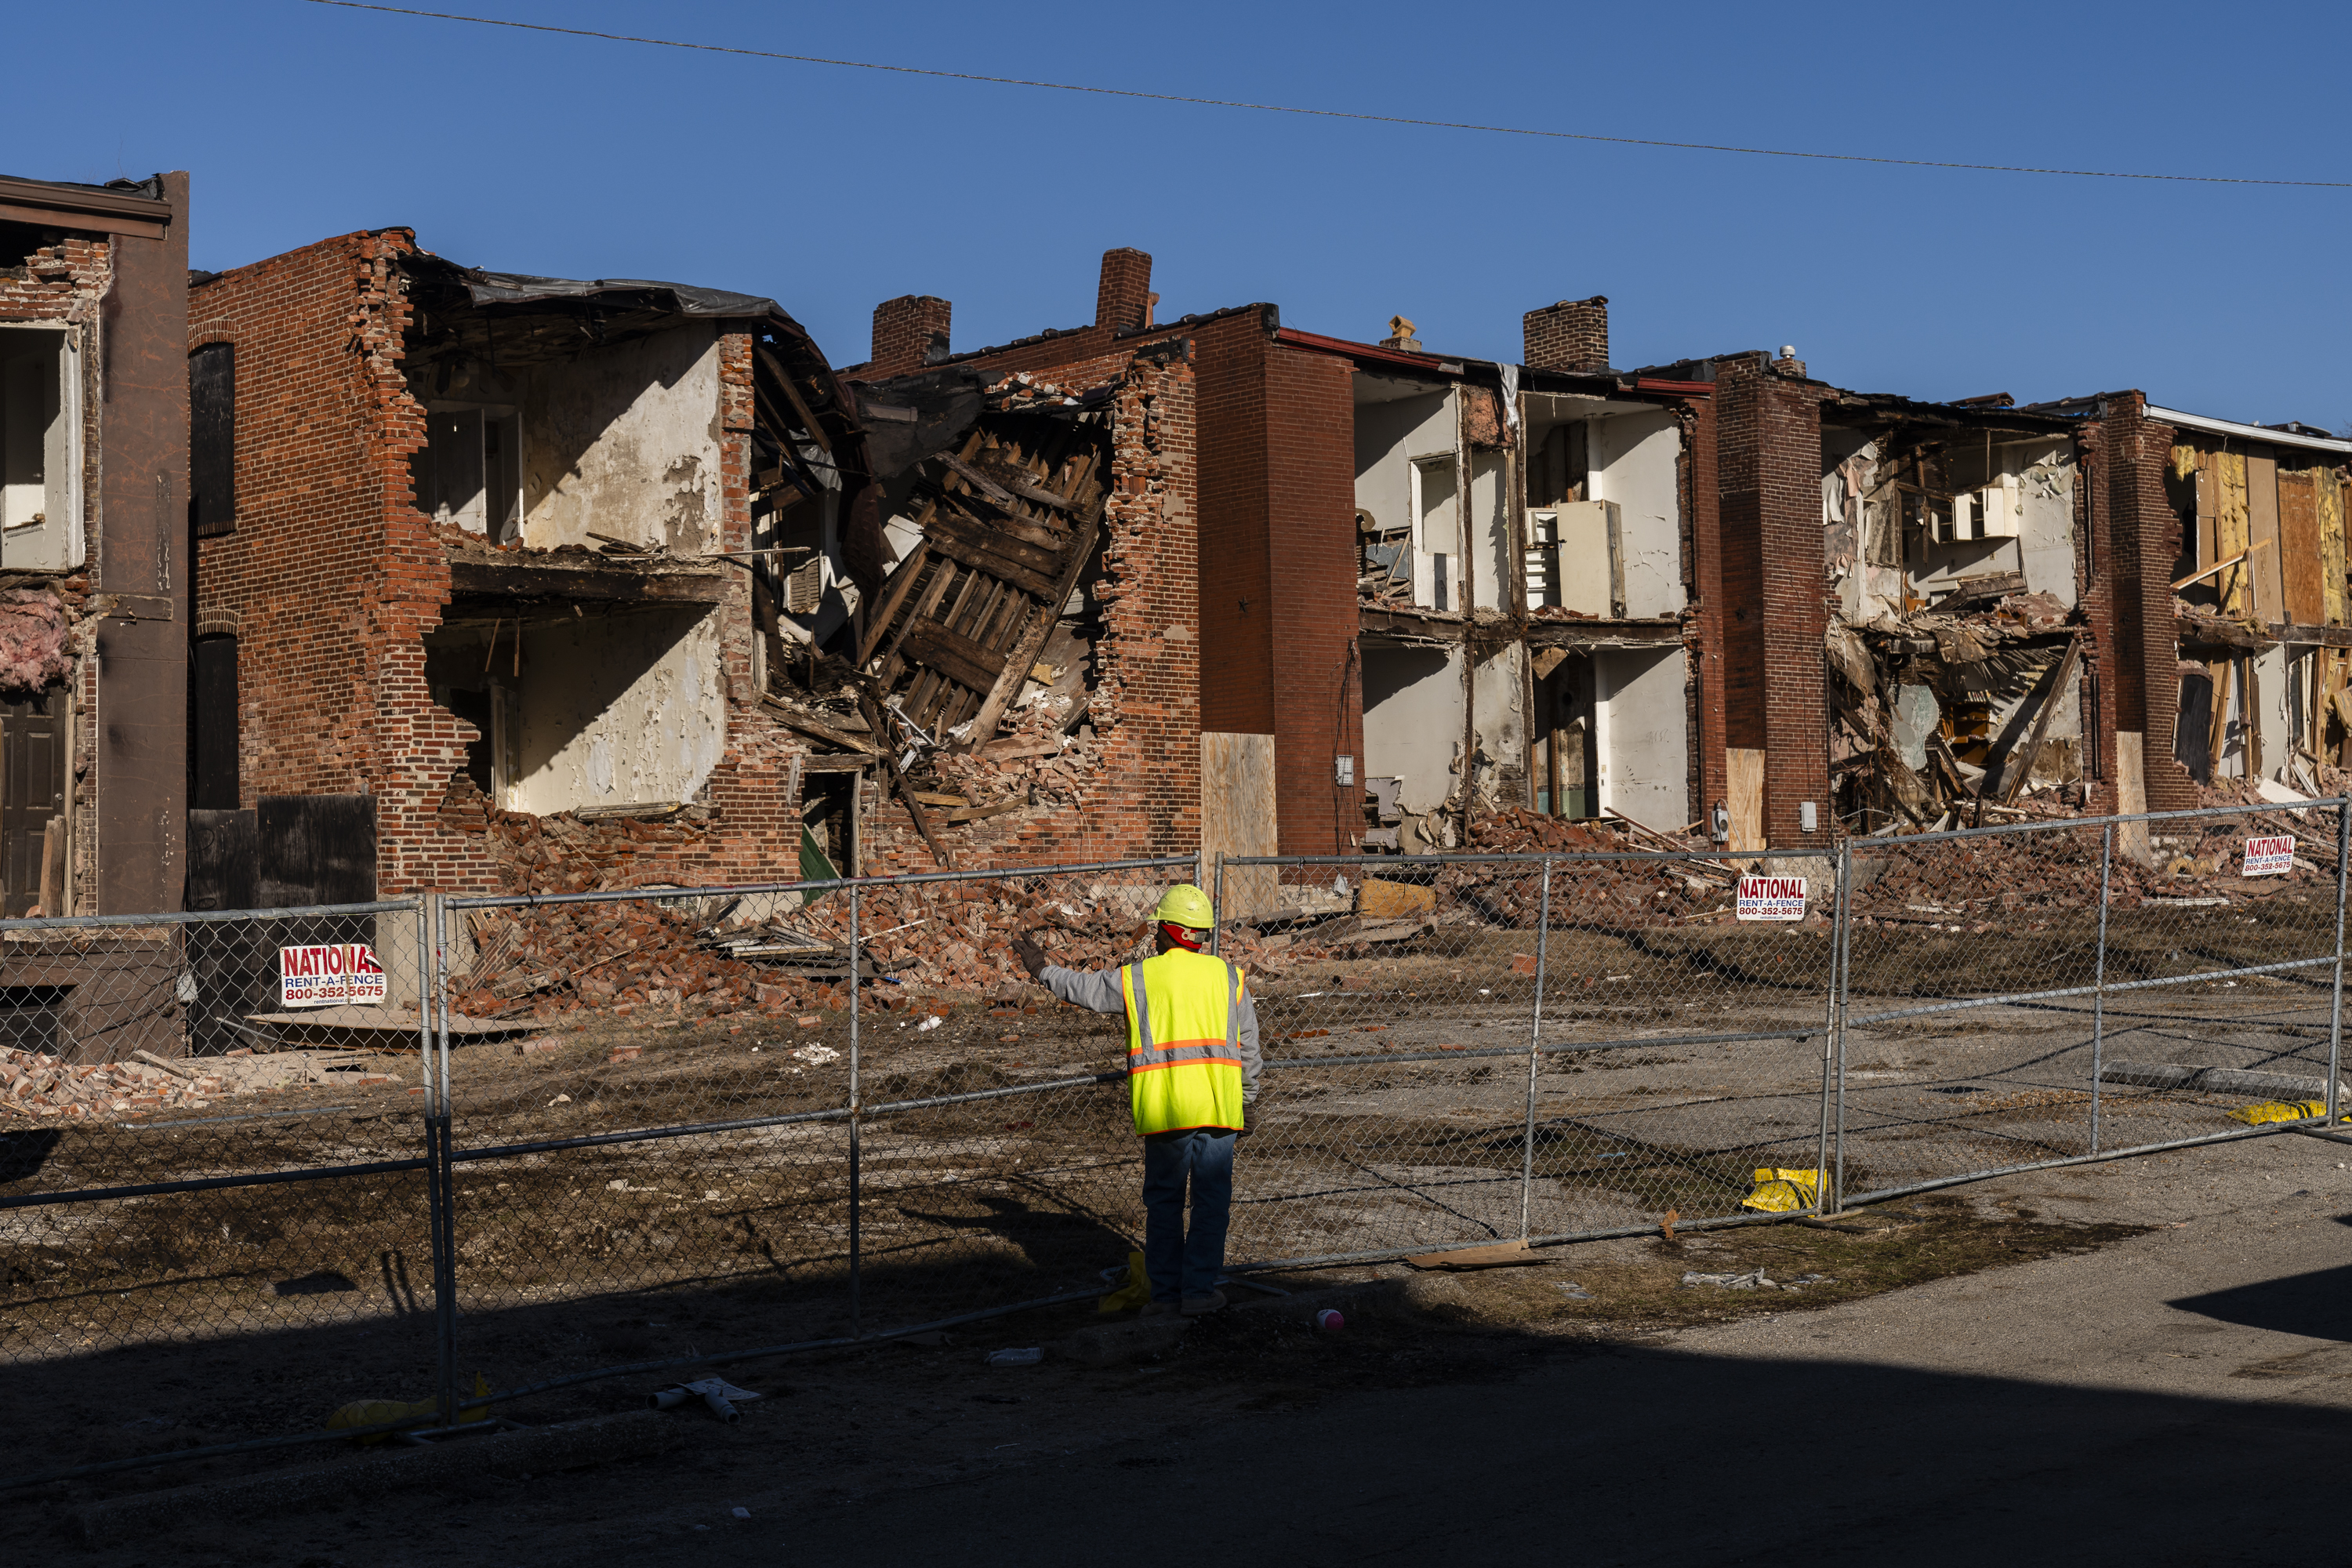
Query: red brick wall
(1570, 335)
(1776, 593)
(1311, 615)
(905, 331)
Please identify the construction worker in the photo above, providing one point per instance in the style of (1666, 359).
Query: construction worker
(1192, 1066)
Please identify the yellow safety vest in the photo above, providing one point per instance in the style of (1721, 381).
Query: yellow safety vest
(1184, 1064)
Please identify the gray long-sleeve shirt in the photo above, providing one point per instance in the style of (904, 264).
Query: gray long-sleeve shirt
(1099, 990)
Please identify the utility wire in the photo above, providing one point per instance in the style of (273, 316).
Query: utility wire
(1330, 114)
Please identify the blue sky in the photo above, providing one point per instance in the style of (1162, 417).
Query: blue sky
(830, 188)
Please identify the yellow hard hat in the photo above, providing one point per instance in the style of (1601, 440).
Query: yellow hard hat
(1185, 905)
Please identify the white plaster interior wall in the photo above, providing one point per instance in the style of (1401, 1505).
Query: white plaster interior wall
(1394, 424)
(625, 441)
(1413, 720)
(40, 465)
(620, 709)
(1632, 458)
(1638, 729)
(1490, 529)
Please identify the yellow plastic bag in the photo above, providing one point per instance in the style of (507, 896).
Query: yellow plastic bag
(2272, 1110)
(1133, 1295)
(1784, 1192)
(375, 1412)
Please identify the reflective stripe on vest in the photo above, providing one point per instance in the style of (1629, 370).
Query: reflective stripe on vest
(1184, 1029)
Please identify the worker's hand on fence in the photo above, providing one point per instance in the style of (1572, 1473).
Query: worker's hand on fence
(1033, 957)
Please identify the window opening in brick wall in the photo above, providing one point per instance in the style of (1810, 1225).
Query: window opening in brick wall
(40, 466)
(214, 719)
(469, 470)
(1437, 514)
(211, 440)
(596, 704)
(32, 792)
(32, 1018)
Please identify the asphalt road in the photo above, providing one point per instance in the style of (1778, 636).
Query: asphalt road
(2182, 1398)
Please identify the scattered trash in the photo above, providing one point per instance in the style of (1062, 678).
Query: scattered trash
(1573, 1292)
(1784, 1192)
(1030, 1356)
(715, 1391)
(933, 1022)
(559, 1100)
(816, 1055)
(1330, 1321)
(1134, 1287)
(1730, 1282)
(1807, 1280)
(742, 1513)
(424, 1412)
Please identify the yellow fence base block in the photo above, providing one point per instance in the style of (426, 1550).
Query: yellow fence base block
(2270, 1110)
(1784, 1192)
(423, 1413)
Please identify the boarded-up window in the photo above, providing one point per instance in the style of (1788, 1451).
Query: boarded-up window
(212, 439)
(212, 711)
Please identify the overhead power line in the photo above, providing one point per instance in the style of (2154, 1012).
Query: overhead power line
(1331, 113)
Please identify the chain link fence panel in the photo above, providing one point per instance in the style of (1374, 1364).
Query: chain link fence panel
(215, 1126)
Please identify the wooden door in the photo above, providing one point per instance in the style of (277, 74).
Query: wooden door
(31, 791)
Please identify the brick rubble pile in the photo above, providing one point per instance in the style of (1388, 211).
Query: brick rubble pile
(35, 1086)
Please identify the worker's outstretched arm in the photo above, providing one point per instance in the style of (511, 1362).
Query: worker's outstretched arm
(1097, 989)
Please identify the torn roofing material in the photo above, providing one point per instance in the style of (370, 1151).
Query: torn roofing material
(520, 288)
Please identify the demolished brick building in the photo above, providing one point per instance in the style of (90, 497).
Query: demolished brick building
(538, 584)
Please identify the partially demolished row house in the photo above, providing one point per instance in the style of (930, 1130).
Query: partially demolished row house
(531, 584)
(1715, 597)
(94, 503)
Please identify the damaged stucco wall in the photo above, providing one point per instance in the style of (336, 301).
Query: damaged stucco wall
(1498, 687)
(623, 441)
(1634, 461)
(620, 710)
(1642, 739)
(1392, 432)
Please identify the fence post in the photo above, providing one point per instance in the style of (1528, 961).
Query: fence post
(1829, 1191)
(1535, 1039)
(439, 1172)
(1217, 906)
(2099, 981)
(2336, 1002)
(856, 1330)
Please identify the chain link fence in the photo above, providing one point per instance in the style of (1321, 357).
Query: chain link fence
(536, 1139)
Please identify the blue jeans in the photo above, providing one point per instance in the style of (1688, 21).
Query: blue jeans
(1184, 1264)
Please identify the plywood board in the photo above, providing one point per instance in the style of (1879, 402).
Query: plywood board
(2327, 502)
(1744, 780)
(2299, 552)
(2263, 539)
(1237, 817)
(2131, 796)
(2230, 532)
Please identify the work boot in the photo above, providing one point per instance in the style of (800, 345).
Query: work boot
(1162, 1310)
(1202, 1306)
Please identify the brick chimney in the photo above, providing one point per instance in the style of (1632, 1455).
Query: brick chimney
(1571, 335)
(1124, 298)
(909, 332)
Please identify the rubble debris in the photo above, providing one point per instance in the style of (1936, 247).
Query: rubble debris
(35, 1086)
(36, 639)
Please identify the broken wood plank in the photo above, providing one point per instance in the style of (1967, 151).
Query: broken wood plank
(894, 595)
(1037, 558)
(978, 481)
(981, 813)
(2299, 554)
(1024, 653)
(957, 657)
(1502, 1255)
(873, 711)
(2019, 766)
(976, 555)
(602, 579)
(775, 367)
(799, 720)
